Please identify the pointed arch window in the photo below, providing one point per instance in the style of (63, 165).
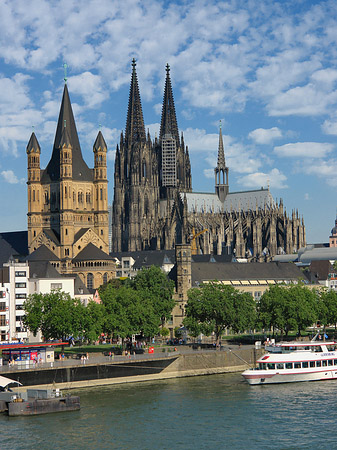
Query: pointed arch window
(144, 174)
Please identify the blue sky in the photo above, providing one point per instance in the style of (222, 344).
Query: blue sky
(267, 69)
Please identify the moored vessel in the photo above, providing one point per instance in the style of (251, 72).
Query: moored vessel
(288, 362)
(34, 401)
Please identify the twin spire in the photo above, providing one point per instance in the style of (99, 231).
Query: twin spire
(135, 129)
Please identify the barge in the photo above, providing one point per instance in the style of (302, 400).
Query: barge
(34, 401)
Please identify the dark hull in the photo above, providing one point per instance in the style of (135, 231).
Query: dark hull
(33, 407)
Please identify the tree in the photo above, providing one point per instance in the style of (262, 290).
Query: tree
(328, 308)
(52, 313)
(212, 307)
(155, 284)
(292, 307)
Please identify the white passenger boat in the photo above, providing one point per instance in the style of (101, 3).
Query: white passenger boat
(295, 361)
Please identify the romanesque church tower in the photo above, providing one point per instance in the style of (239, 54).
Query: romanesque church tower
(67, 201)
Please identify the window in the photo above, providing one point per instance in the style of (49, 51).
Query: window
(126, 264)
(270, 366)
(20, 273)
(305, 365)
(279, 366)
(54, 286)
(312, 363)
(2, 306)
(90, 281)
(20, 285)
(105, 278)
(2, 320)
(19, 307)
(324, 363)
(297, 365)
(289, 365)
(101, 194)
(330, 362)
(318, 364)
(20, 295)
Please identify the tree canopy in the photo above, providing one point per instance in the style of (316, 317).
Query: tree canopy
(286, 308)
(212, 307)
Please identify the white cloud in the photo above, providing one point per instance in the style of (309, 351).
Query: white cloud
(275, 179)
(327, 170)
(265, 136)
(89, 87)
(304, 149)
(330, 127)
(10, 177)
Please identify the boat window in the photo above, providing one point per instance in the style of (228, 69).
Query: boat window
(289, 365)
(335, 361)
(270, 366)
(305, 364)
(330, 362)
(312, 363)
(318, 348)
(306, 348)
(324, 363)
(297, 365)
(262, 366)
(279, 366)
(318, 363)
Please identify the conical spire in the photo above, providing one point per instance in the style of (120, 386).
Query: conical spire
(33, 144)
(168, 117)
(221, 151)
(100, 142)
(80, 171)
(135, 130)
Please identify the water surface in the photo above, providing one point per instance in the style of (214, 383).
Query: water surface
(213, 412)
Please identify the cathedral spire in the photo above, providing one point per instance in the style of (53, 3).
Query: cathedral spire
(66, 121)
(135, 130)
(168, 118)
(221, 151)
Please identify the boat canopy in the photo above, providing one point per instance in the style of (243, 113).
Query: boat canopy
(4, 382)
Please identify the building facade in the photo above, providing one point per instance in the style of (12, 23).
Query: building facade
(68, 201)
(154, 206)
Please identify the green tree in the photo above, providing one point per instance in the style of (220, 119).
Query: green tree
(212, 307)
(328, 308)
(52, 313)
(292, 307)
(156, 286)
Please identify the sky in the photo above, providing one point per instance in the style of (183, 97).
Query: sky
(266, 69)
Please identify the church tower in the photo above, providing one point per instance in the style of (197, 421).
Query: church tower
(173, 156)
(221, 172)
(68, 202)
(136, 191)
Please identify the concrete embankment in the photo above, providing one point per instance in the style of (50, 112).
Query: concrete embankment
(157, 368)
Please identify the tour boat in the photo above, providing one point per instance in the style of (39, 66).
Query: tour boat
(289, 362)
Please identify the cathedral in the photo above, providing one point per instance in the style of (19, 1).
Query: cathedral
(154, 206)
(68, 221)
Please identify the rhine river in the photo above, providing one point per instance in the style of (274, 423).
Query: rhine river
(213, 412)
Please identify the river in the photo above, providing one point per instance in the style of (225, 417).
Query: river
(209, 412)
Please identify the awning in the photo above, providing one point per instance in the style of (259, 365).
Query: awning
(4, 382)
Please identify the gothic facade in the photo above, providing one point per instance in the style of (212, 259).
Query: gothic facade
(154, 206)
(68, 203)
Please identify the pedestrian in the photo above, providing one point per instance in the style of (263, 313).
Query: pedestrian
(87, 355)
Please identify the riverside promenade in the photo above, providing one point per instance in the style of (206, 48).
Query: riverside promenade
(101, 370)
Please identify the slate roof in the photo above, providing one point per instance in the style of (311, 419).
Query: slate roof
(42, 253)
(80, 170)
(148, 258)
(42, 269)
(18, 240)
(236, 201)
(244, 271)
(6, 251)
(80, 233)
(92, 253)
